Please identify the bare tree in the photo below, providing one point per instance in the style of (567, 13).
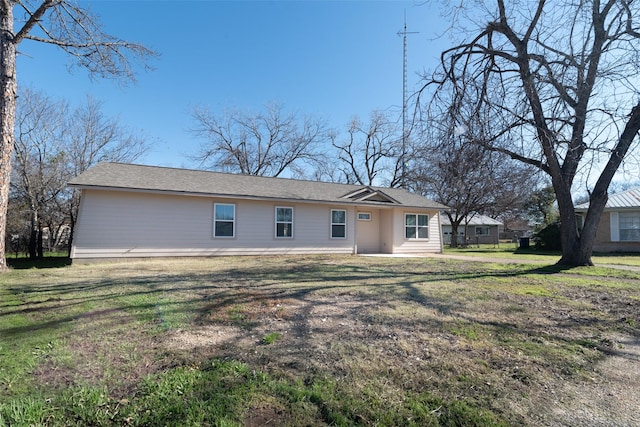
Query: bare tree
(561, 81)
(93, 137)
(73, 29)
(54, 144)
(263, 144)
(39, 173)
(464, 175)
(370, 150)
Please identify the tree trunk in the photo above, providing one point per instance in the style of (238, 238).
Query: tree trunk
(33, 235)
(454, 229)
(454, 236)
(40, 246)
(72, 226)
(577, 248)
(8, 90)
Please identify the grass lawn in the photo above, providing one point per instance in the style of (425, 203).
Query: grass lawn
(305, 340)
(512, 251)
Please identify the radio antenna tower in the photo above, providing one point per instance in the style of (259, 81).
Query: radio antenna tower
(404, 33)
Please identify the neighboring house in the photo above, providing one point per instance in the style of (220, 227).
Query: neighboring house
(515, 228)
(479, 229)
(145, 211)
(619, 228)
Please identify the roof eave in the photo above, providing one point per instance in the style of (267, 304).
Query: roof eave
(338, 202)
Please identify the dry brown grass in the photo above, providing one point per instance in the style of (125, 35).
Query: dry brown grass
(519, 341)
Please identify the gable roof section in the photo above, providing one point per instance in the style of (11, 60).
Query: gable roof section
(629, 199)
(370, 194)
(129, 177)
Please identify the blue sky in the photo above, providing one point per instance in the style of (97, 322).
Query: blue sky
(334, 59)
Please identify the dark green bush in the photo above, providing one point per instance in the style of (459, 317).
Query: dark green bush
(548, 239)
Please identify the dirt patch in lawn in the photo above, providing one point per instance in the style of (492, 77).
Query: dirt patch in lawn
(535, 358)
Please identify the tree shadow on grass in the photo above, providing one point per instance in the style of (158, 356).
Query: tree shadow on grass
(199, 294)
(46, 262)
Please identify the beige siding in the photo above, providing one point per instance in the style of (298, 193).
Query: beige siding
(115, 224)
(401, 245)
(386, 231)
(369, 232)
(129, 224)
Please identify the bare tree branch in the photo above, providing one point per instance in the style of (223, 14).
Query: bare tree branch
(264, 144)
(563, 76)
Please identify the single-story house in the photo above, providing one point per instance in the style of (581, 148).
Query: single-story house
(515, 228)
(619, 227)
(131, 210)
(479, 229)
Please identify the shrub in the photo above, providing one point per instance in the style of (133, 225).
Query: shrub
(548, 239)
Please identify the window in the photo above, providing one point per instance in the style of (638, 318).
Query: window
(482, 231)
(364, 216)
(629, 223)
(416, 226)
(284, 222)
(224, 220)
(338, 224)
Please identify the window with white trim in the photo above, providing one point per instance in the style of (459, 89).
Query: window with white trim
(224, 220)
(338, 224)
(284, 222)
(416, 226)
(364, 216)
(629, 225)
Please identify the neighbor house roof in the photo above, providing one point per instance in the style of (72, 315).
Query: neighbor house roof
(477, 219)
(624, 200)
(129, 177)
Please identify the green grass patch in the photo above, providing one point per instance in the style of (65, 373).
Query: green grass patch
(228, 393)
(512, 251)
(271, 338)
(470, 331)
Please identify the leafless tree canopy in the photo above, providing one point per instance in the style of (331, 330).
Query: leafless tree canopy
(264, 144)
(459, 171)
(94, 137)
(558, 81)
(78, 32)
(39, 174)
(369, 150)
(53, 144)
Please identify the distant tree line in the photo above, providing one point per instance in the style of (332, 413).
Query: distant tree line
(441, 161)
(55, 142)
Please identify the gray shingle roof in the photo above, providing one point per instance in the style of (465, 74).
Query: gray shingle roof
(186, 181)
(629, 199)
(475, 220)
